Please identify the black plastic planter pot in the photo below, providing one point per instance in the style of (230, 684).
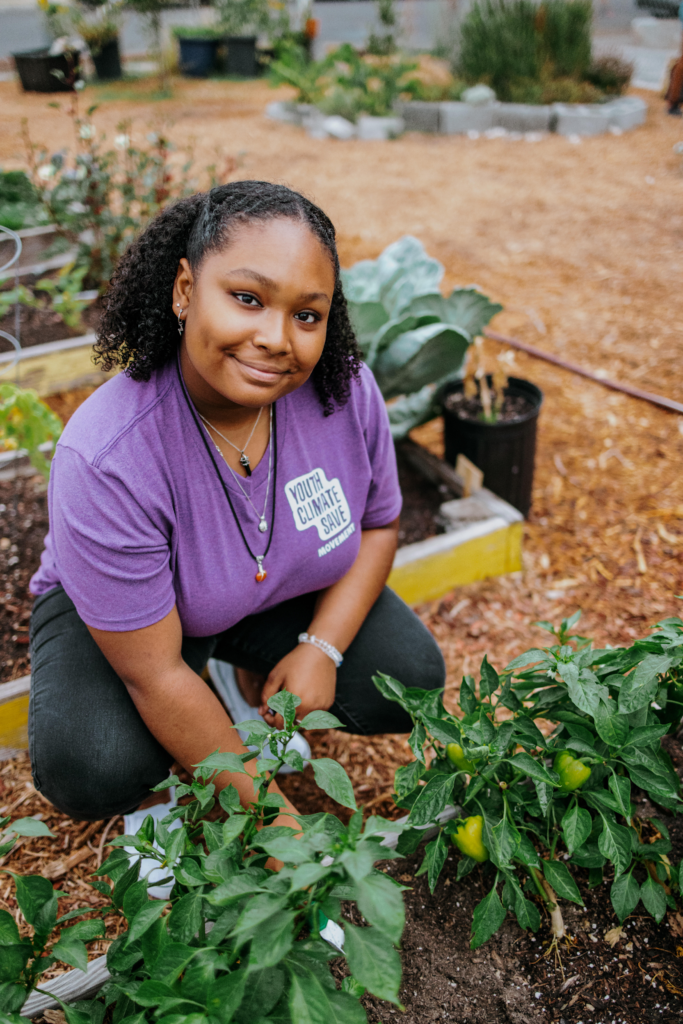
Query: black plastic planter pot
(241, 58)
(35, 68)
(504, 452)
(197, 56)
(108, 62)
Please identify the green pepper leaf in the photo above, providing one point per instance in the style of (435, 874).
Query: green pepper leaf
(333, 780)
(488, 916)
(640, 687)
(614, 843)
(654, 898)
(433, 798)
(407, 777)
(321, 720)
(611, 727)
(489, 681)
(558, 876)
(625, 894)
(534, 769)
(620, 787)
(577, 825)
(381, 904)
(374, 962)
(434, 860)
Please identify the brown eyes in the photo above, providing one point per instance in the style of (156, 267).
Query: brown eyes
(304, 317)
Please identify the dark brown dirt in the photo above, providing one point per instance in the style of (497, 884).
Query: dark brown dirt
(38, 326)
(23, 525)
(421, 501)
(515, 407)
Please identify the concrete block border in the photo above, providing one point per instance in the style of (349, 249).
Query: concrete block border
(458, 118)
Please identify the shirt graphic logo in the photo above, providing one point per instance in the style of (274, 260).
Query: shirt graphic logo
(317, 501)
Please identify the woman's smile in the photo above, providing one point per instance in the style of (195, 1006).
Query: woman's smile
(259, 371)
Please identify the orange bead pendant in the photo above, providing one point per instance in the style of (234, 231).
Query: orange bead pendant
(261, 574)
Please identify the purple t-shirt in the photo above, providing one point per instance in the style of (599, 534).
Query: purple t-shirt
(139, 521)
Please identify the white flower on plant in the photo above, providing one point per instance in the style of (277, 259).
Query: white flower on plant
(46, 171)
(80, 84)
(122, 141)
(86, 131)
(77, 207)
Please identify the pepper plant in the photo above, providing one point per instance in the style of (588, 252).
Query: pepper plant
(533, 807)
(236, 940)
(27, 422)
(413, 338)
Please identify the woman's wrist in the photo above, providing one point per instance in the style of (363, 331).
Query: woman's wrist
(322, 645)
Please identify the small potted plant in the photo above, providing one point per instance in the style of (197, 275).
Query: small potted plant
(491, 419)
(55, 68)
(241, 22)
(198, 49)
(98, 25)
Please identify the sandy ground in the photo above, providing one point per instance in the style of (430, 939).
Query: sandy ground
(583, 245)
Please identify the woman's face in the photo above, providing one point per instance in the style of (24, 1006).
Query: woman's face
(255, 314)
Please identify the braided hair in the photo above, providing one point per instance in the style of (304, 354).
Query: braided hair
(137, 331)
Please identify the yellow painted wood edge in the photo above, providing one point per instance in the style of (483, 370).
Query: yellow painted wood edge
(430, 577)
(61, 371)
(14, 723)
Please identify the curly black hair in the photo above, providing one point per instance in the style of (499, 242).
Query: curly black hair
(138, 331)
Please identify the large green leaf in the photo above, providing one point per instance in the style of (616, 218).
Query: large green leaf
(465, 307)
(410, 411)
(9, 933)
(432, 799)
(334, 781)
(420, 357)
(654, 899)
(640, 687)
(614, 843)
(577, 825)
(373, 961)
(367, 319)
(558, 876)
(311, 1002)
(625, 893)
(488, 916)
(611, 726)
(535, 769)
(381, 904)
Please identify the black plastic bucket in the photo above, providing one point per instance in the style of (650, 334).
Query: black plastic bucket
(107, 61)
(35, 68)
(197, 56)
(504, 452)
(241, 58)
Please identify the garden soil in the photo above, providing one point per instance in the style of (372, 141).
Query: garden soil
(583, 245)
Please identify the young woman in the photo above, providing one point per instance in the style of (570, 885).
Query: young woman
(232, 494)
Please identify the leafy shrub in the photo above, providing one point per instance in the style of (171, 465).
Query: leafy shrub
(565, 30)
(529, 53)
(610, 709)
(20, 205)
(610, 73)
(412, 338)
(101, 198)
(235, 941)
(27, 422)
(345, 82)
(500, 44)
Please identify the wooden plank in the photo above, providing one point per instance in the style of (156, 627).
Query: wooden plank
(428, 578)
(57, 366)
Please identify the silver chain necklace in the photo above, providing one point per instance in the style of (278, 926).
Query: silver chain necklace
(244, 458)
(263, 525)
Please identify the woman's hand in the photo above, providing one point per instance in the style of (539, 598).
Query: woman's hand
(306, 672)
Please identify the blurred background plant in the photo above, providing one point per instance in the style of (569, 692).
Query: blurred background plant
(383, 44)
(27, 422)
(20, 202)
(244, 17)
(102, 196)
(537, 54)
(97, 23)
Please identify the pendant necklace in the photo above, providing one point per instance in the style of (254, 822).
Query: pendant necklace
(244, 458)
(263, 525)
(272, 462)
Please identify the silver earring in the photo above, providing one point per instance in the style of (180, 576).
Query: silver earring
(181, 325)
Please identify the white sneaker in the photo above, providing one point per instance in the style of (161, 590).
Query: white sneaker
(149, 868)
(223, 678)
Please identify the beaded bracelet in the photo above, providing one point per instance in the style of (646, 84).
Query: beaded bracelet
(323, 646)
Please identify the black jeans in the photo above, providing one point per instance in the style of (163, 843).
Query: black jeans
(93, 756)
